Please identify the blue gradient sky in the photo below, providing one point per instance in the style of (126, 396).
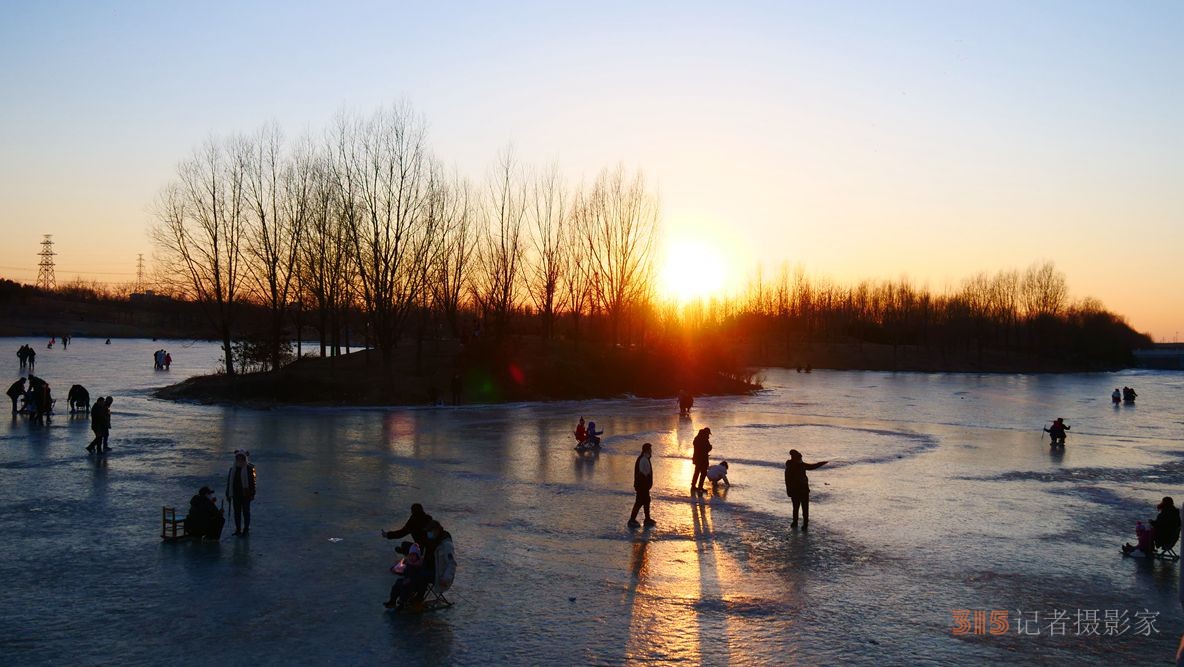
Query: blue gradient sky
(927, 139)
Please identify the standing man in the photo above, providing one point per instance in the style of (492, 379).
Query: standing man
(240, 489)
(797, 486)
(643, 481)
(100, 423)
(701, 460)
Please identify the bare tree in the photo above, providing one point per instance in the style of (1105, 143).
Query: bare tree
(622, 223)
(279, 192)
(199, 236)
(502, 242)
(326, 256)
(1043, 290)
(548, 217)
(576, 274)
(383, 169)
(457, 206)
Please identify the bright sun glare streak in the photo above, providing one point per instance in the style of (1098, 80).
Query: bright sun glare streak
(691, 271)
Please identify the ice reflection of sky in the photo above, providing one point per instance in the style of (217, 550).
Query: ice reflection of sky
(942, 494)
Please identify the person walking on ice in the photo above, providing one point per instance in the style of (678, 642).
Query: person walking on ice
(643, 481)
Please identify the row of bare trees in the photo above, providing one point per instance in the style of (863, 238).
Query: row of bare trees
(368, 220)
(1027, 311)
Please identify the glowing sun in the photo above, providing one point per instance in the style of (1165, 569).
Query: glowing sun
(691, 271)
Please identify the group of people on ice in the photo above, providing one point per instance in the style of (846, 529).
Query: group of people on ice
(428, 560)
(1127, 395)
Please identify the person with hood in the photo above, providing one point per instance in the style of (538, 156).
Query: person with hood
(643, 481)
(797, 486)
(700, 457)
(240, 490)
(15, 391)
(416, 526)
(204, 520)
(581, 432)
(1166, 524)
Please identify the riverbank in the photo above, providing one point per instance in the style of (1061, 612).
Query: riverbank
(521, 369)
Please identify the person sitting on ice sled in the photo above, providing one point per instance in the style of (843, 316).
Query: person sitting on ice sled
(592, 438)
(581, 432)
(1144, 546)
(1163, 533)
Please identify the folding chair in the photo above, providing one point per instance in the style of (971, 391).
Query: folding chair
(433, 598)
(1165, 549)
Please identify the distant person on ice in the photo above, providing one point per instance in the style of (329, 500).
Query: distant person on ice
(1116, 397)
(1057, 431)
(593, 438)
(581, 432)
(240, 490)
(701, 458)
(643, 481)
(15, 391)
(797, 486)
(168, 360)
(685, 402)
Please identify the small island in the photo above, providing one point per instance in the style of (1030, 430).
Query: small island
(522, 369)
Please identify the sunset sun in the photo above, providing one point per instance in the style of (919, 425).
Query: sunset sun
(691, 271)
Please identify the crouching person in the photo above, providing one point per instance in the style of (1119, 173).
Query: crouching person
(205, 520)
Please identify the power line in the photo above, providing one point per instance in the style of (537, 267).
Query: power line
(100, 273)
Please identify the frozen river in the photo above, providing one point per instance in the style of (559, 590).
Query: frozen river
(942, 495)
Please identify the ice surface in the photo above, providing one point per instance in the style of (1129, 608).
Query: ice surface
(942, 494)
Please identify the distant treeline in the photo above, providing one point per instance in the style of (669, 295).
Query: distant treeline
(1026, 312)
(363, 227)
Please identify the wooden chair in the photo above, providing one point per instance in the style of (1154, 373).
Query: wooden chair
(172, 529)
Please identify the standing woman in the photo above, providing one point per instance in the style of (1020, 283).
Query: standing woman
(797, 486)
(240, 489)
(701, 459)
